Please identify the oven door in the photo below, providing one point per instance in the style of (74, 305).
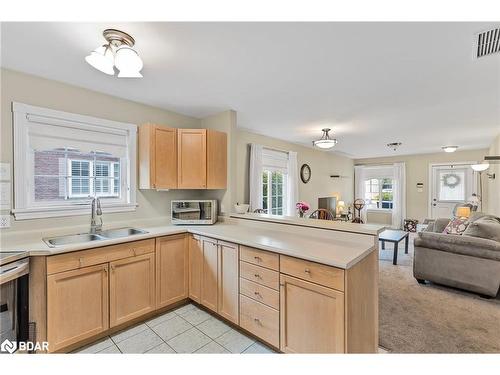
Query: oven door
(14, 283)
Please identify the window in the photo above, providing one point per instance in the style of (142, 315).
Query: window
(65, 159)
(378, 193)
(273, 196)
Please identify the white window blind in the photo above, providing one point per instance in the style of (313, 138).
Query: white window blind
(273, 160)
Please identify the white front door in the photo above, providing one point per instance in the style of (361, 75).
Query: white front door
(450, 184)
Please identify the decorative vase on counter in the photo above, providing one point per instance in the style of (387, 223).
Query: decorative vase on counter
(302, 207)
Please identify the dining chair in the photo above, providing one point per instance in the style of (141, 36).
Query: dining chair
(322, 214)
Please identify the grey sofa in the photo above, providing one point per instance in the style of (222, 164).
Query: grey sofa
(470, 261)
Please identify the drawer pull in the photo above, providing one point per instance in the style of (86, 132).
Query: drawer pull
(135, 252)
(258, 276)
(308, 271)
(258, 259)
(112, 267)
(80, 262)
(257, 294)
(257, 320)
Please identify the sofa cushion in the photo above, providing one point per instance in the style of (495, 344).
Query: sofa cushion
(466, 245)
(456, 226)
(486, 227)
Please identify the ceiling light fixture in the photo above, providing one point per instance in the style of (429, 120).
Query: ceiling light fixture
(480, 167)
(449, 148)
(325, 142)
(118, 53)
(394, 145)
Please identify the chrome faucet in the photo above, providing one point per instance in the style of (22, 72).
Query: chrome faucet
(95, 214)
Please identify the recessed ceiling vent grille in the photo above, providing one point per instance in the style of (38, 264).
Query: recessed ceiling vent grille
(487, 43)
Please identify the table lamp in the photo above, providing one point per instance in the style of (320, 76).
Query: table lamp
(463, 212)
(340, 207)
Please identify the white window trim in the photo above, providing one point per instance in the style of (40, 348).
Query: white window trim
(378, 209)
(23, 182)
(269, 172)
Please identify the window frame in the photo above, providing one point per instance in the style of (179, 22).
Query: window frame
(25, 206)
(380, 188)
(269, 172)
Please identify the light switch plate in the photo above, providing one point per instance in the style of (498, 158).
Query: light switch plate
(5, 196)
(5, 221)
(4, 171)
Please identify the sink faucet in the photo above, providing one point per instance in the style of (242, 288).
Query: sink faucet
(96, 213)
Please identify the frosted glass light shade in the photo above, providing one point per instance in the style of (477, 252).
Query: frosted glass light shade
(325, 143)
(128, 62)
(480, 167)
(102, 59)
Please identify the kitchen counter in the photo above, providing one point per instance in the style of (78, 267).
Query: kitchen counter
(320, 247)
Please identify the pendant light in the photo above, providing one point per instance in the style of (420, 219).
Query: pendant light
(117, 53)
(325, 142)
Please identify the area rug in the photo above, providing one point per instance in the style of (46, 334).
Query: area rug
(415, 318)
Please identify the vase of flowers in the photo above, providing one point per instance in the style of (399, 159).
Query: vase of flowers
(302, 207)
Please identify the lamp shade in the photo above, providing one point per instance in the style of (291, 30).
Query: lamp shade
(463, 212)
(102, 59)
(128, 62)
(480, 167)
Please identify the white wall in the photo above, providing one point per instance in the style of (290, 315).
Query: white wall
(41, 92)
(493, 185)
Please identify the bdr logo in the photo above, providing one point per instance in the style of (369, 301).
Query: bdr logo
(11, 346)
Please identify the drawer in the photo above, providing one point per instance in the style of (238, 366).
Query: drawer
(260, 320)
(260, 275)
(260, 293)
(260, 257)
(328, 276)
(98, 255)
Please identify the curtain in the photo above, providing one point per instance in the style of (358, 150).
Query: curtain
(399, 195)
(255, 177)
(292, 186)
(359, 187)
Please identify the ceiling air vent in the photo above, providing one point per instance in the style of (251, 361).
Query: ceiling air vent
(487, 43)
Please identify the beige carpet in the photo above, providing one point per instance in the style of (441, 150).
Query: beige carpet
(415, 318)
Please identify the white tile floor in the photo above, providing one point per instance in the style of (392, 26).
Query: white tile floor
(187, 329)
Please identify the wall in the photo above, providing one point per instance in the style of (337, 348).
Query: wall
(322, 164)
(38, 91)
(417, 170)
(493, 185)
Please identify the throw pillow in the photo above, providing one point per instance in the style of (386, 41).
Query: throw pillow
(486, 227)
(456, 226)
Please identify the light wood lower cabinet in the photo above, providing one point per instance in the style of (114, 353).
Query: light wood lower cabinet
(261, 320)
(311, 317)
(131, 288)
(195, 266)
(172, 269)
(228, 286)
(77, 305)
(209, 274)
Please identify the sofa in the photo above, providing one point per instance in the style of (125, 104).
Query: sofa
(469, 261)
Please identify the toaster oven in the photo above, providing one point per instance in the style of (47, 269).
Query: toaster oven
(194, 212)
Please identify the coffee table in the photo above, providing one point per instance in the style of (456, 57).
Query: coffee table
(394, 236)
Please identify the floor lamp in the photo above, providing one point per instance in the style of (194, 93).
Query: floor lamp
(480, 168)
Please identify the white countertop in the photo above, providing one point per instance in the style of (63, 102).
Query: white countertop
(319, 248)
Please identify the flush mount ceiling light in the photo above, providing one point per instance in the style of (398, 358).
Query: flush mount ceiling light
(394, 145)
(449, 148)
(325, 142)
(118, 53)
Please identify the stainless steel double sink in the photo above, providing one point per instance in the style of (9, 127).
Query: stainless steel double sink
(90, 237)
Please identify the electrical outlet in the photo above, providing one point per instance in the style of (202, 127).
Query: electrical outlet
(5, 221)
(4, 171)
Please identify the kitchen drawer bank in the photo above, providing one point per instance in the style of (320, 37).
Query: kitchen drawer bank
(294, 305)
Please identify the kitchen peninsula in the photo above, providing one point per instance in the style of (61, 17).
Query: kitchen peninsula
(299, 285)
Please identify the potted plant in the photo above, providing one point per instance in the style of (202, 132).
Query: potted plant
(302, 207)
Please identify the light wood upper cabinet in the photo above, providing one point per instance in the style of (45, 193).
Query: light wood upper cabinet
(77, 305)
(228, 286)
(209, 274)
(311, 317)
(172, 258)
(182, 158)
(195, 266)
(192, 159)
(157, 157)
(131, 288)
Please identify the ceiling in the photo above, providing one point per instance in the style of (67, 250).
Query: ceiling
(372, 83)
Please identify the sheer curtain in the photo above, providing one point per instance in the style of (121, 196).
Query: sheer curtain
(255, 177)
(399, 195)
(359, 187)
(292, 186)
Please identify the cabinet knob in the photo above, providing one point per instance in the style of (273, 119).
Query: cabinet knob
(135, 252)
(105, 270)
(112, 267)
(258, 259)
(80, 262)
(257, 320)
(257, 294)
(258, 276)
(308, 271)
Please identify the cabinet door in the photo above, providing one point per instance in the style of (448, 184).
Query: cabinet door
(311, 317)
(192, 158)
(228, 286)
(165, 158)
(131, 288)
(209, 274)
(216, 160)
(77, 305)
(172, 260)
(195, 266)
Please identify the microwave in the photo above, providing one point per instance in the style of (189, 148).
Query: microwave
(194, 212)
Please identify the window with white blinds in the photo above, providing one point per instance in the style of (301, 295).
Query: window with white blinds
(63, 160)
